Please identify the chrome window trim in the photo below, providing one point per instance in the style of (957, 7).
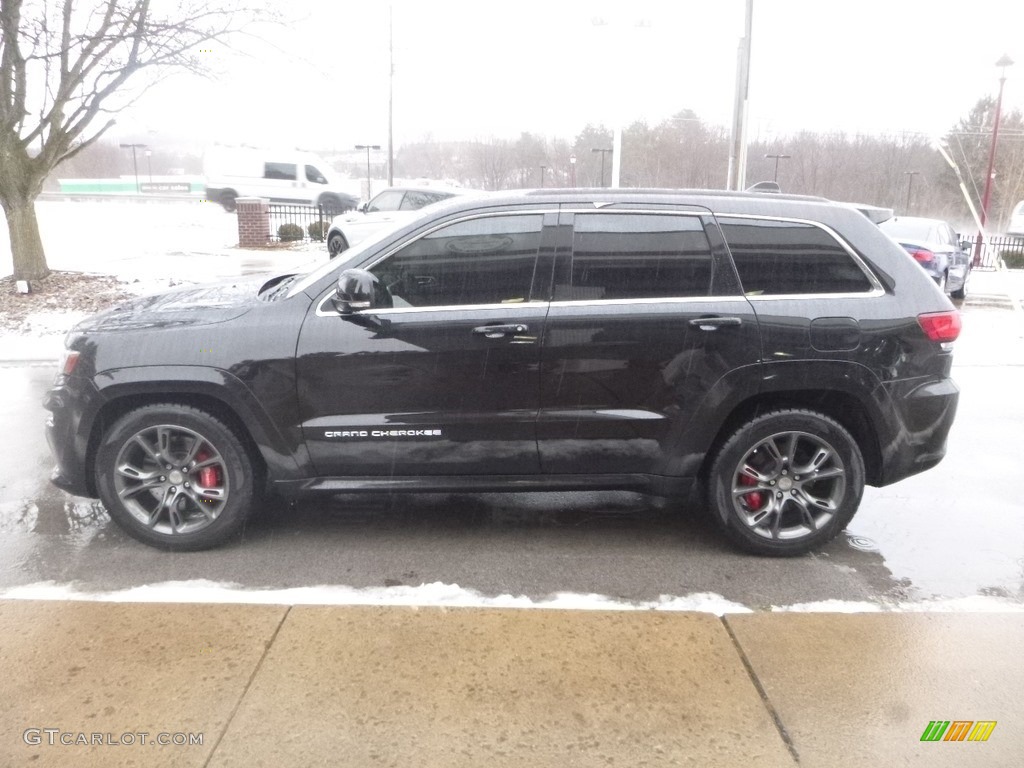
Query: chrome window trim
(874, 293)
(321, 311)
(876, 287)
(663, 300)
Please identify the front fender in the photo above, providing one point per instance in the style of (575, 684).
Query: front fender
(282, 449)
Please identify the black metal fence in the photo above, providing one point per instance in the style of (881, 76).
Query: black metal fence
(1009, 249)
(292, 223)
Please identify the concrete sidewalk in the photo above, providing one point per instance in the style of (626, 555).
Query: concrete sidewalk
(365, 686)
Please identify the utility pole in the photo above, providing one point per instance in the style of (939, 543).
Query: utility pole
(775, 176)
(368, 147)
(391, 93)
(910, 185)
(604, 153)
(1004, 62)
(738, 151)
(135, 162)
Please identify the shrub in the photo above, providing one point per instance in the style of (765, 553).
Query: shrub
(318, 230)
(1013, 259)
(289, 232)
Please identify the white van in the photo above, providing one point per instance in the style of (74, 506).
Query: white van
(287, 176)
(1016, 226)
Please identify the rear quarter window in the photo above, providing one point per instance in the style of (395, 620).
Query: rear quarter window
(776, 257)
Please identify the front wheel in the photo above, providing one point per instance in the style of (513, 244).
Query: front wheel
(175, 477)
(336, 243)
(786, 482)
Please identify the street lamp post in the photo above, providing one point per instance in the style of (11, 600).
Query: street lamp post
(1004, 62)
(604, 153)
(910, 185)
(542, 169)
(149, 164)
(572, 169)
(368, 147)
(135, 162)
(775, 176)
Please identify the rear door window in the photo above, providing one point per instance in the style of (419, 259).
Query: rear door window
(637, 256)
(789, 257)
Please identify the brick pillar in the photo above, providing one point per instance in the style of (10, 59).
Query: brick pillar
(253, 221)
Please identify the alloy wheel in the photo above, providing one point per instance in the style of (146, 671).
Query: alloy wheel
(788, 485)
(171, 479)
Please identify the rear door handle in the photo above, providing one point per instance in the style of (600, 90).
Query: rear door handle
(500, 331)
(714, 323)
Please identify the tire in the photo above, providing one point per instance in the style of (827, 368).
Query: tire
(785, 513)
(227, 200)
(201, 501)
(336, 243)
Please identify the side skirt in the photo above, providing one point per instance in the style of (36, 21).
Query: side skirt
(650, 484)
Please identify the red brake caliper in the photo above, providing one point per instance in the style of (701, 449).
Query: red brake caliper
(209, 477)
(752, 500)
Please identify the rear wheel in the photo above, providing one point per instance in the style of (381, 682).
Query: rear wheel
(785, 482)
(175, 477)
(228, 201)
(961, 292)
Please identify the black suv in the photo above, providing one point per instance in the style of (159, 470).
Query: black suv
(765, 354)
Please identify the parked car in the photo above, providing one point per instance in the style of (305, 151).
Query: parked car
(281, 176)
(385, 209)
(1016, 227)
(765, 356)
(935, 245)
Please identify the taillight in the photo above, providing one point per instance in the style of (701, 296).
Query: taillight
(923, 255)
(68, 361)
(940, 326)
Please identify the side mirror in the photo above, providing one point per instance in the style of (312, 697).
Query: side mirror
(355, 292)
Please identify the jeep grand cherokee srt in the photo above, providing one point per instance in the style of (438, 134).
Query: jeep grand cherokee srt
(767, 355)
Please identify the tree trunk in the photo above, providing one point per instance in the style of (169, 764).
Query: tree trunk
(26, 245)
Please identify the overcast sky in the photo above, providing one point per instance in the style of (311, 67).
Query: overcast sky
(479, 69)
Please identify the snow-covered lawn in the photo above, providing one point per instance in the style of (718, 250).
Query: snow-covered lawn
(150, 245)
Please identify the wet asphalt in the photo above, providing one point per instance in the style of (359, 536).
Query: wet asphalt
(956, 531)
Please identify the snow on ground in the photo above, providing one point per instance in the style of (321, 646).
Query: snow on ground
(150, 245)
(454, 596)
(151, 240)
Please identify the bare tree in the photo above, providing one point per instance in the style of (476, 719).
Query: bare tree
(65, 66)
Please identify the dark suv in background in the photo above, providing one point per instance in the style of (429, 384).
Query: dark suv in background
(766, 355)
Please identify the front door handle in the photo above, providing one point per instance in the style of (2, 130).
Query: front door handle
(714, 323)
(500, 331)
